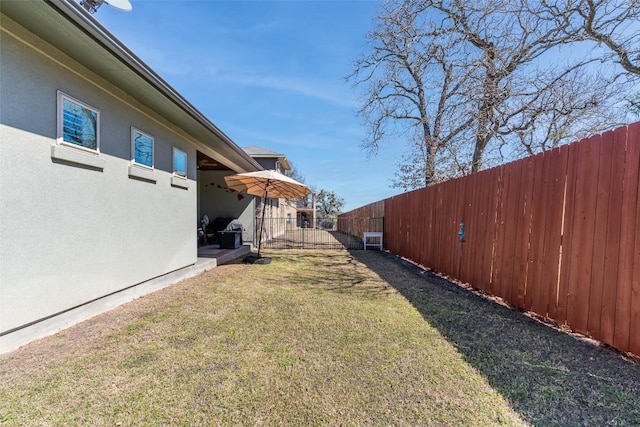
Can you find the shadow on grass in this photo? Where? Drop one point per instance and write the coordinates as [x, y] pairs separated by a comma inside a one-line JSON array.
[[332, 271], [548, 376]]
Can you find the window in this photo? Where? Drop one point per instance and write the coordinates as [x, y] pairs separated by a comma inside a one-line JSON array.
[[142, 148], [179, 162], [78, 123]]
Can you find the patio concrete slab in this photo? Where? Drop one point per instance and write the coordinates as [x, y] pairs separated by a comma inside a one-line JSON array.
[[221, 256]]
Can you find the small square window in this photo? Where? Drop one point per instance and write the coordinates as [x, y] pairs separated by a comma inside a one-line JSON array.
[[142, 148], [179, 162], [78, 123]]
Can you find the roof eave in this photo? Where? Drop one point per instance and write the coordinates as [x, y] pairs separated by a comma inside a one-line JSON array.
[[81, 19]]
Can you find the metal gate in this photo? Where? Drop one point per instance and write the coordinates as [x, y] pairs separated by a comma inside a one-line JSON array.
[[326, 233]]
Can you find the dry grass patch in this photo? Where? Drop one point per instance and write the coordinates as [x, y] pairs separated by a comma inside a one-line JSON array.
[[312, 338], [316, 338], [549, 377]]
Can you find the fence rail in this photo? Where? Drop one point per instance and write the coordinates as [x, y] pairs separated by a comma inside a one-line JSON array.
[[557, 233]]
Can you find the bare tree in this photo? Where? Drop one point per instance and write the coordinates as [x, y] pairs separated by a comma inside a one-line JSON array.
[[452, 162], [610, 30], [571, 106], [573, 101], [614, 25], [633, 104], [412, 85], [505, 41], [459, 79]]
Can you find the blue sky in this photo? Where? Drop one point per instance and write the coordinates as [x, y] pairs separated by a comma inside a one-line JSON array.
[[271, 74]]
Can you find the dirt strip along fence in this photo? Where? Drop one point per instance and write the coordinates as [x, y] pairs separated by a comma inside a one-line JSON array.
[[557, 234]]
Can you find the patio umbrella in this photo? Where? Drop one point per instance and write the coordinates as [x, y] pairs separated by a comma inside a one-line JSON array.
[[268, 184]]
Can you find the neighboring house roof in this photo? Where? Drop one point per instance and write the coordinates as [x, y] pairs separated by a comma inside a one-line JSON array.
[[262, 153], [70, 28]]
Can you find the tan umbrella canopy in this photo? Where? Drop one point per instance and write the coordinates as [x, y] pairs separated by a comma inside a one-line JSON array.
[[268, 184]]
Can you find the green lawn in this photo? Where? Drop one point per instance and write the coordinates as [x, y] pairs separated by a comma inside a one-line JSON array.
[[315, 338]]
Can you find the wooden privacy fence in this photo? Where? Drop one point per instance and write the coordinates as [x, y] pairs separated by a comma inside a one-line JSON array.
[[353, 222], [557, 234]]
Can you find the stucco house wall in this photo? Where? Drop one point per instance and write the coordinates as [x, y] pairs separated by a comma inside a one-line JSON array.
[[72, 233], [81, 232]]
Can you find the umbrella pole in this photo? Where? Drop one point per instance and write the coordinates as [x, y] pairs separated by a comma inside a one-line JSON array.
[[264, 208]]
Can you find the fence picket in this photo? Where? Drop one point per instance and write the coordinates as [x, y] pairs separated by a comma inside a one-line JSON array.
[[601, 213], [497, 252], [533, 298], [629, 220], [567, 236], [634, 320], [513, 216], [475, 267], [612, 244], [583, 224], [523, 232], [469, 208], [557, 166], [487, 211]]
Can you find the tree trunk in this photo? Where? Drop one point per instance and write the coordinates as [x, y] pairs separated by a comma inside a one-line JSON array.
[[478, 155], [429, 167], [430, 151]]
